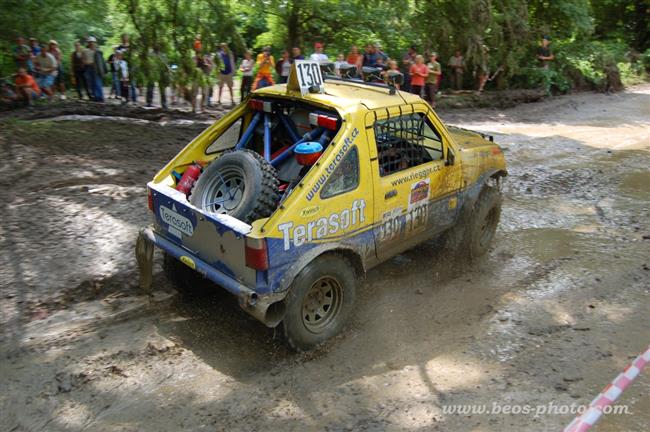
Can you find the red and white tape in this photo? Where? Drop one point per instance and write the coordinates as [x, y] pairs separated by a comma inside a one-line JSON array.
[[609, 394]]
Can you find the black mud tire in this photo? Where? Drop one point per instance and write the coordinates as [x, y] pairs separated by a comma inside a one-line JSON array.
[[260, 194], [474, 231], [303, 329], [186, 281]]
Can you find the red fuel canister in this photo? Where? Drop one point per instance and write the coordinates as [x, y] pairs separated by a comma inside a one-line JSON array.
[[189, 177]]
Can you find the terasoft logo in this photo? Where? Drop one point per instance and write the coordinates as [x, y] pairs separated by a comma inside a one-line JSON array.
[[176, 221]]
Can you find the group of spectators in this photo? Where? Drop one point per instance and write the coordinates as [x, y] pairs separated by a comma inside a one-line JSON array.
[[40, 71]]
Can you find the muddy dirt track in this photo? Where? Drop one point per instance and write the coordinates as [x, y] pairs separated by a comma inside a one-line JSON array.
[[556, 310]]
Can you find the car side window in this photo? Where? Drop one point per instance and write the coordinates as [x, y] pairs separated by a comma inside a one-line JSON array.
[[432, 140], [345, 176], [228, 138], [402, 143]]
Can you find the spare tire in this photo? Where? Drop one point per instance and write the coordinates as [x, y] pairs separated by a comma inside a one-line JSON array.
[[241, 184]]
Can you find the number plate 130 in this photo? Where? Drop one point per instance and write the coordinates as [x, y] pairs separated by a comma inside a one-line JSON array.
[[309, 75]]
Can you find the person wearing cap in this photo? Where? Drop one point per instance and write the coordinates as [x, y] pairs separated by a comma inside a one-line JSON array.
[[59, 82], [318, 55], [94, 69], [226, 72], [46, 68], [544, 53], [265, 64]]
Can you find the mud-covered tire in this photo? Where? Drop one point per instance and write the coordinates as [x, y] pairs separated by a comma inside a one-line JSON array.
[[185, 280], [253, 180], [303, 328], [475, 229]]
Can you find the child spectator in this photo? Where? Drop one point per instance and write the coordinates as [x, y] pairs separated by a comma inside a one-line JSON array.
[[26, 86], [340, 61], [46, 69], [419, 72], [433, 80], [393, 70], [265, 64], [246, 68]]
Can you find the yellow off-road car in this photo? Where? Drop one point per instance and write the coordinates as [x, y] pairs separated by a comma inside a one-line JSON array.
[[292, 196]]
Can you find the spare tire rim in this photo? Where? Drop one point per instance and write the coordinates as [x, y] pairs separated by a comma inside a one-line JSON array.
[[224, 192], [322, 304]]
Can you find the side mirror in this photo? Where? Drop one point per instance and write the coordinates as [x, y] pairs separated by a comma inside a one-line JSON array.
[[451, 157]]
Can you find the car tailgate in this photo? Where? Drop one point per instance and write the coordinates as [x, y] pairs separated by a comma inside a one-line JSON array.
[[219, 240]]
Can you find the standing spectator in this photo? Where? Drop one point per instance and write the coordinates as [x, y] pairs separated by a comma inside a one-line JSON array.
[[380, 53], [23, 55], [94, 69], [433, 80], [408, 60], [113, 66], [354, 58], [76, 60], [46, 69], [370, 56], [226, 72], [340, 61], [297, 54], [204, 65], [265, 64], [128, 57], [318, 55], [457, 65], [419, 73], [283, 67], [122, 75], [544, 53], [26, 87], [246, 68], [34, 47], [59, 82], [159, 73]]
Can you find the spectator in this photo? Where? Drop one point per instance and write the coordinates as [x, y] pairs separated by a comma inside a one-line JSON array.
[[127, 56], [393, 70], [205, 65], [265, 64], [113, 66], [283, 67], [544, 53], [372, 55], [340, 60], [23, 55], [433, 80], [380, 53], [318, 55], [354, 58], [246, 68], [226, 72], [159, 74], [457, 65], [122, 75], [419, 73], [34, 47], [94, 69], [59, 82], [76, 60], [408, 60], [26, 87], [297, 54], [45, 66]]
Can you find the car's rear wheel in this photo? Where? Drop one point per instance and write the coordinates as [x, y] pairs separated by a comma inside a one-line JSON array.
[[185, 280], [319, 302]]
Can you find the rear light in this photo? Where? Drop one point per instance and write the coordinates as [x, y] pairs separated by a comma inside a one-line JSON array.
[[322, 120], [260, 105], [256, 255], [150, 199]]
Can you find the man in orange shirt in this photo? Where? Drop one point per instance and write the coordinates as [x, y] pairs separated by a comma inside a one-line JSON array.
[[265, 64], [26, 87]]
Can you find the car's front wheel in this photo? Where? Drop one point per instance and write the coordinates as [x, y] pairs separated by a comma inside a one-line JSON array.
[[319, 302]]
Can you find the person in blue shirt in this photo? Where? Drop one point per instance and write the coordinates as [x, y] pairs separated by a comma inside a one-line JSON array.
[[227, 70]]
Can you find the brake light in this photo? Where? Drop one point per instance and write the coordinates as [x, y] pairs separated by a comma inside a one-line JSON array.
[[322, 120], [150, 199], [256, 254], [260, 105]]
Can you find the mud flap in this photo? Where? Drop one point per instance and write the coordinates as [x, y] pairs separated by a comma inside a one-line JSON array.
[[144, 256]]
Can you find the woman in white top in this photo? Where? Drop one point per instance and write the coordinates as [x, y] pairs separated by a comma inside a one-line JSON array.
[[283, 67], [246, 67]]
